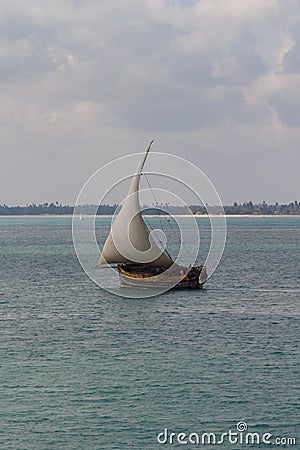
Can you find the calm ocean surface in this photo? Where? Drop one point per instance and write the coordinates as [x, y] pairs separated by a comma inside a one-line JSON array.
[[84, 369]]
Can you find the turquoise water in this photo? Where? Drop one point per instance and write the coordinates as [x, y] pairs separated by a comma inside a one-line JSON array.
[[84, 369]]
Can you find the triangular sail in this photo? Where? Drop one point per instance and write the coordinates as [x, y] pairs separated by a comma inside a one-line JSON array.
[[129, 240]]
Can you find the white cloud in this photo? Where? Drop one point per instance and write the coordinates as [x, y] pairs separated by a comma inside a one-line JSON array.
[[77, 74]]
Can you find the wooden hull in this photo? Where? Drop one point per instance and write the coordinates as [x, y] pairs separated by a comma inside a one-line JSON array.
[[146, 277]]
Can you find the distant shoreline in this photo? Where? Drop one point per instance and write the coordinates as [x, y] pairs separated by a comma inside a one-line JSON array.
[[246, 209], [66, 216]]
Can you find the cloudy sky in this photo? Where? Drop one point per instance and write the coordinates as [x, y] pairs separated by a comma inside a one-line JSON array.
[[86, 81]]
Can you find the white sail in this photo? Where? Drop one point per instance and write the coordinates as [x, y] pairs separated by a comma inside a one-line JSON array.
[[129, 240]]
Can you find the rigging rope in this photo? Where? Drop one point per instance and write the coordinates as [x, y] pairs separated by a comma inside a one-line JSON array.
[[149, 224], [171, 226]]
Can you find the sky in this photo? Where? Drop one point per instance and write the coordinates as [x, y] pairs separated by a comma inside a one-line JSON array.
[[83, 82]]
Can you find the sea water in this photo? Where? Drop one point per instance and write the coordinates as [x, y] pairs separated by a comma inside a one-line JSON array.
[[84, 369]]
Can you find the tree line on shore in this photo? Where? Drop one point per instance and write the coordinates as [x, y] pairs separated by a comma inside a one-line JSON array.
[[56, 208]]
